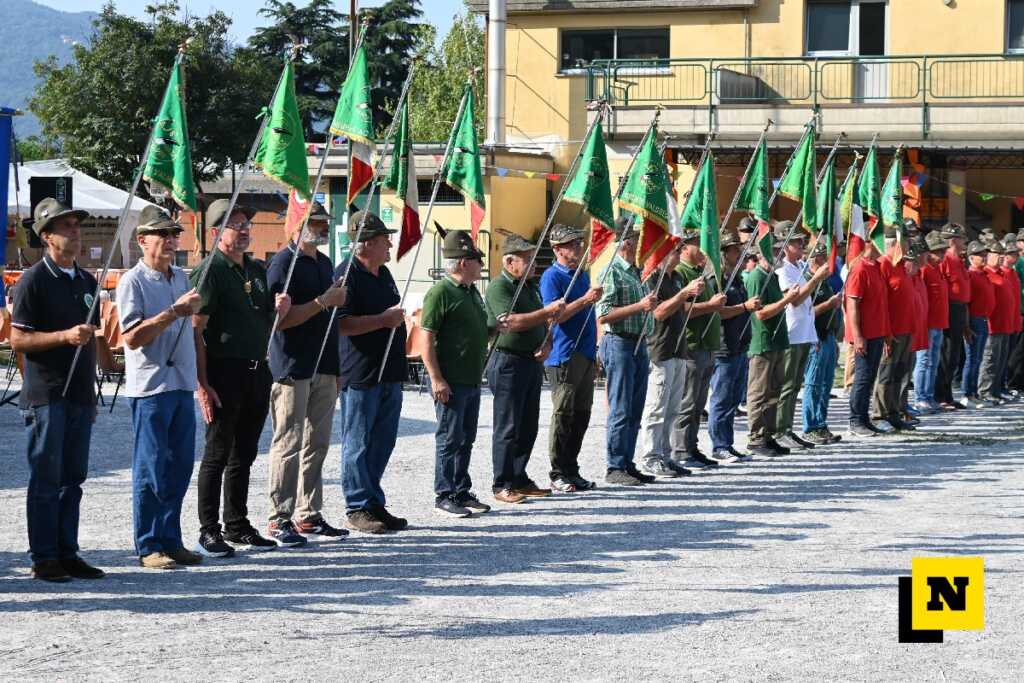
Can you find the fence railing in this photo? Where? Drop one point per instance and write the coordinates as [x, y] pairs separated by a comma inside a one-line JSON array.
[[807, 80]]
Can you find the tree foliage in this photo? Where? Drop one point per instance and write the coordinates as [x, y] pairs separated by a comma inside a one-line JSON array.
[[440, 81], [101, 106]]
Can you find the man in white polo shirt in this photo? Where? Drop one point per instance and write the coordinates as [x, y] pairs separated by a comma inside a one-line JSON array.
[[802, 333], [155, 303]]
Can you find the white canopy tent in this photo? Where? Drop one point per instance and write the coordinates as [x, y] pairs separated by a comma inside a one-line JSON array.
[[96, 197]]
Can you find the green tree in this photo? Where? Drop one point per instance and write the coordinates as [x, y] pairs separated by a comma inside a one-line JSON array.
[[36, 148], [439, 81], [100, 107], [392, 42]]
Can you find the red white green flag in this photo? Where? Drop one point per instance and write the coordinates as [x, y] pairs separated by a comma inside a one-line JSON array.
[[353, 118], [402, 180]]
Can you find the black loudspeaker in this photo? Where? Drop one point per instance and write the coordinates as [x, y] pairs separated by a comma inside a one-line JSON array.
[[41, 187]]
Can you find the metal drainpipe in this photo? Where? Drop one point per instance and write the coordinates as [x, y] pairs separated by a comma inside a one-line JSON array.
[[497, 18]]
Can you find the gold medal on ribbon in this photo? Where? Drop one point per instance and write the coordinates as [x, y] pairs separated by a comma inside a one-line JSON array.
[[248, 287]]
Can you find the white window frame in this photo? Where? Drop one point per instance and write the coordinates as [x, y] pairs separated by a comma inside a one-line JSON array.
[[853, 37], [1006, 34], [636, 71]]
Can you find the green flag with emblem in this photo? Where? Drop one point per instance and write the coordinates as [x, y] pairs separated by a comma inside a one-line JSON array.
[[591, 186], [170, 157], [645, 191], [463, 173], [701, 213], [799, 182], [282, 150]]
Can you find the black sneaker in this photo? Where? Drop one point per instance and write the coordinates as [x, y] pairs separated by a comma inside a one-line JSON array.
[[50, 570], [739, 455], [285, 535], [212, 544], [390, 521], [80, 569], [622, 478], [471, 502], [319, 528], [682, 471], [582, 484], [249, 538], [450, 507], [802, 443], [763, 450], [366, 521], [777, 447], [698, 460], [637, 474]]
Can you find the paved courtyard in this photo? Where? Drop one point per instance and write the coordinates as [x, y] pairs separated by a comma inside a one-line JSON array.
[[771, 570]]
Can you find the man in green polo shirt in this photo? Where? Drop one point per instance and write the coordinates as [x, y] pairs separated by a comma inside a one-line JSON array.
[[516, 370], [768, 343], [232, 329], [702, 339], [455, 322]]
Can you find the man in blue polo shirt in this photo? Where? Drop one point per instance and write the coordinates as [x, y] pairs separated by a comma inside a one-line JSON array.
[[570, 367], [301, 403], [49, 320]]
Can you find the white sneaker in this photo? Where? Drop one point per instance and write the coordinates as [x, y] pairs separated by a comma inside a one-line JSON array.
[[724, 457]]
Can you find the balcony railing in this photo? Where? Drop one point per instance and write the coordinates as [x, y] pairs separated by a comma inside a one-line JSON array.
[[808, 80]]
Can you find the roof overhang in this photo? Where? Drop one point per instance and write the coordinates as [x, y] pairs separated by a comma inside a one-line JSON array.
[[551, 6]]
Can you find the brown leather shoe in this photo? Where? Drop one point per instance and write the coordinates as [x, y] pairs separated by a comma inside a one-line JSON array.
[[509, 496], [50, 570], [158, 561], [365, 521], [184, 557], [532, 491]]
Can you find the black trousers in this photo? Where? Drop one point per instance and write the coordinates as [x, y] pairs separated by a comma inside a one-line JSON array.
[[572, 398], [865, 371], [516, 383], [952, 351], [232, 440], [1015, 380]]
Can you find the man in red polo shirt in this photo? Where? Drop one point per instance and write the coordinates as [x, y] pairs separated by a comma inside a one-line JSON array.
[[983, 300], [1001, 325], [867, 332], [919, 338], [955, 273], [1010, 259], [895, 362], [938, 320]]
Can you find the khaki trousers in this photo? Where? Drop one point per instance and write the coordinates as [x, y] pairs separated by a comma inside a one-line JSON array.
[[764, 385], [302, 412]]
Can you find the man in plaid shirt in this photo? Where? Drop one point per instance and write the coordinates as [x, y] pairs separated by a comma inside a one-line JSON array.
[[623, 313]]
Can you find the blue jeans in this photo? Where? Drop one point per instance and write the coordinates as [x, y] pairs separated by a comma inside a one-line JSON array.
[[626, 385], [369, 424], [58, 461], [865, 370], [727, 388], [927, 367], [975, 352], [819, 377], [164, 454], [453, 441]]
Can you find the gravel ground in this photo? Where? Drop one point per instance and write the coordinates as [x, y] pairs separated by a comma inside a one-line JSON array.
[[770, 570]]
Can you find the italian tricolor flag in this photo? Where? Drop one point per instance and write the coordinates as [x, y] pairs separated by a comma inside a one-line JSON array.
[[353, 118], [402, 180]]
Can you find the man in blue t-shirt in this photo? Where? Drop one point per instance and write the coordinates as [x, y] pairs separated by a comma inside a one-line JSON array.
[[570, 367]]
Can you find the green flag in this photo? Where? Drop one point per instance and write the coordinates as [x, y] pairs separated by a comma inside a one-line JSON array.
[[645, 190], [701, 213], [282, 150], [892, 194], [799, 182], [170, 158], [353, 116], [463, 173], [826, 200], [753, 195], [591, 186], [869, 198]]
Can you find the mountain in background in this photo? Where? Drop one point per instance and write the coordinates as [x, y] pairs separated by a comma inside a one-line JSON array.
[[30, 32]]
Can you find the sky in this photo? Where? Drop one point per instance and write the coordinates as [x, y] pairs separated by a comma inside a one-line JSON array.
[[244, 12]]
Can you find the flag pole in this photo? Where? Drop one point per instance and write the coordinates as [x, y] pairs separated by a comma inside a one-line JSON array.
[[265, 116], [661, 277], [316, 185], [438, 176], [378, 167], [777, 261], [618, 239], [771, 201], [122, 221], [602, 106]]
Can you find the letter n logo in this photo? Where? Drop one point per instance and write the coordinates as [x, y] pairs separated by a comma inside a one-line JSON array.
[[948, 593]]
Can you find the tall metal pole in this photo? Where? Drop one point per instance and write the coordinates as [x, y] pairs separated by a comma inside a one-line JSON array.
[[122, 221], [438, 179], [362, 223]]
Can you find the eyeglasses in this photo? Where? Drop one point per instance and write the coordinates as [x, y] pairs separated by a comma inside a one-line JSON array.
[[238, 225]]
